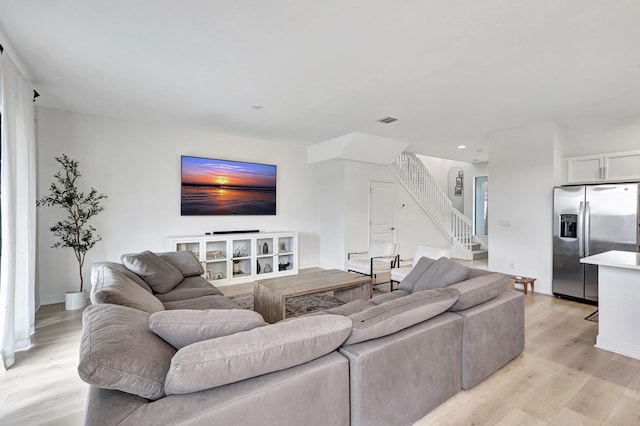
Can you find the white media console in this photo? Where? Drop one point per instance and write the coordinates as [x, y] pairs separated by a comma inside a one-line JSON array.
[[243, 257]]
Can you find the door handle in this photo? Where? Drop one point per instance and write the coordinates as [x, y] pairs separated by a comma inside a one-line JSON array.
[[393, 229], [581, 230], [587, 228]]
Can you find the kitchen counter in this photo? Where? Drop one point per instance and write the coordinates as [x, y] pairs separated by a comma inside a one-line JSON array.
[[618, 301], [619, 259]]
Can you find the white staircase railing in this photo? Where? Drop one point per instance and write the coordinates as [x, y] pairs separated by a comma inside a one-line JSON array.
[[455, 226]]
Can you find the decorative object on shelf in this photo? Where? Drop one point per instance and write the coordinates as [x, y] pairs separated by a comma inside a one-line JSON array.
[[214, 253], [283, 246], [283, 266], [239, 252], [209, 274], [257, 267], [73, 231], [268, 268], [236, 267], [218, 275], [265, 248]]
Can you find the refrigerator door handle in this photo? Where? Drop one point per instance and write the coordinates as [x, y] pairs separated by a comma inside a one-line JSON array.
[[581, 230], [587, 228]]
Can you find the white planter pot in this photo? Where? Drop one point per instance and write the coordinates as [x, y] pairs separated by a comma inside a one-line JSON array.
[[74, 300]]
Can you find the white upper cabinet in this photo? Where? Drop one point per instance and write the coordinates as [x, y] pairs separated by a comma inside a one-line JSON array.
[[615, 167], [585, 169], [623, 166]]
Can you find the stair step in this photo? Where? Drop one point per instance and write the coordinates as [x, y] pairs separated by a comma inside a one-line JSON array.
[[480, 254], [476, 246]]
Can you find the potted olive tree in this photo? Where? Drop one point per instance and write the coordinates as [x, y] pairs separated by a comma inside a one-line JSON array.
[[73, 231]]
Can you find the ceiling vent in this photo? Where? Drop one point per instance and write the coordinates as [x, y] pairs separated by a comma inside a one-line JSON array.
[[387, 120]]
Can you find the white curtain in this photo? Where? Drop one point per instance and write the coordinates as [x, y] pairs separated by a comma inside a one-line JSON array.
[[18, 201]]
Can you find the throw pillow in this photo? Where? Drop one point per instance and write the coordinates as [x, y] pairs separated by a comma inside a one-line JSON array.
[[184, 261], [442, 273], [184, 327], [416, 272], [394, 315], [118, 351], [263, 350], [159, 274], [110, 285], [479, 290]]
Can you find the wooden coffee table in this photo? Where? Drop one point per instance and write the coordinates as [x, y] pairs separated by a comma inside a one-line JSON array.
[[270, 296]]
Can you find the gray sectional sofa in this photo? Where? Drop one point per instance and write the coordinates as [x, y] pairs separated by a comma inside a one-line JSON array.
[[161, 347]]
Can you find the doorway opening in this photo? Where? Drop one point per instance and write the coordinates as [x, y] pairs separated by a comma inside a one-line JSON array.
[[481, 205]]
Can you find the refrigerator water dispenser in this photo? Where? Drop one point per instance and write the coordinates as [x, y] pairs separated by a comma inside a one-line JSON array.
[[569, 226]]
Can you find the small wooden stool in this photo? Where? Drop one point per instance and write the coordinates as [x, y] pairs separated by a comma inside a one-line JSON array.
[[524, 281]]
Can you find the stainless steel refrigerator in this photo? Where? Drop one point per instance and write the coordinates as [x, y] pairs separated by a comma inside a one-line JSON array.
[[588, 220]]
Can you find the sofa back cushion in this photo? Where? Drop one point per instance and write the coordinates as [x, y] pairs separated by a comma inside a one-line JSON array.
[[478, 290], [112, 283], [183, 327], [118, 351], [263, 350], [161, 275], [442, 273], [184, 261], [416, 273], [399, 313]]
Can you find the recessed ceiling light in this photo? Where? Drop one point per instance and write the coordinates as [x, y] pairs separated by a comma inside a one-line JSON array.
[[462, 146], [387, 120], [257, 106]]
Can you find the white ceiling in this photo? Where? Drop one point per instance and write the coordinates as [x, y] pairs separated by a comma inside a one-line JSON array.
[[451, 71]]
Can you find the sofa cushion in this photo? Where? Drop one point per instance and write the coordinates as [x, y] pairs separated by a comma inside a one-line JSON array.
[[274, 347], [110, 284], [121, 269], [397, 314], [185, 326], [161, 275], [418, 270], [189, 288], [478, 290], [184, 261], [203, 302], [442, 273], [118, 351]]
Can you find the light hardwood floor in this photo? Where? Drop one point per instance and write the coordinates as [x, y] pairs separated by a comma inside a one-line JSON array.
[[560, 379]]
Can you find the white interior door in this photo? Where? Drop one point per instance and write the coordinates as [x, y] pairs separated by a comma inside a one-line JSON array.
[[382, 213]]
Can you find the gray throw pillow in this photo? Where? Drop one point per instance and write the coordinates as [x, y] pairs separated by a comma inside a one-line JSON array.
[[397, 314], [478, 290], [184, 261], [185, 326], [442, 273], [161, 275], [418, 270], [118, 351], [110, 284], [247, 354]]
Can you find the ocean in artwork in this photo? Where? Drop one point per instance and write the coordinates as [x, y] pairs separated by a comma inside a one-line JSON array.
[[199, 200]]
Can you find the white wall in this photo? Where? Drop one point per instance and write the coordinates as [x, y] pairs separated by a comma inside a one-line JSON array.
[[138, 166], [624, 136], [331, 213], [523, 173], [344, 205]]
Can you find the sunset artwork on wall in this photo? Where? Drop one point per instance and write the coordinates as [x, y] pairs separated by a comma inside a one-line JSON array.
[[223, 187]]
